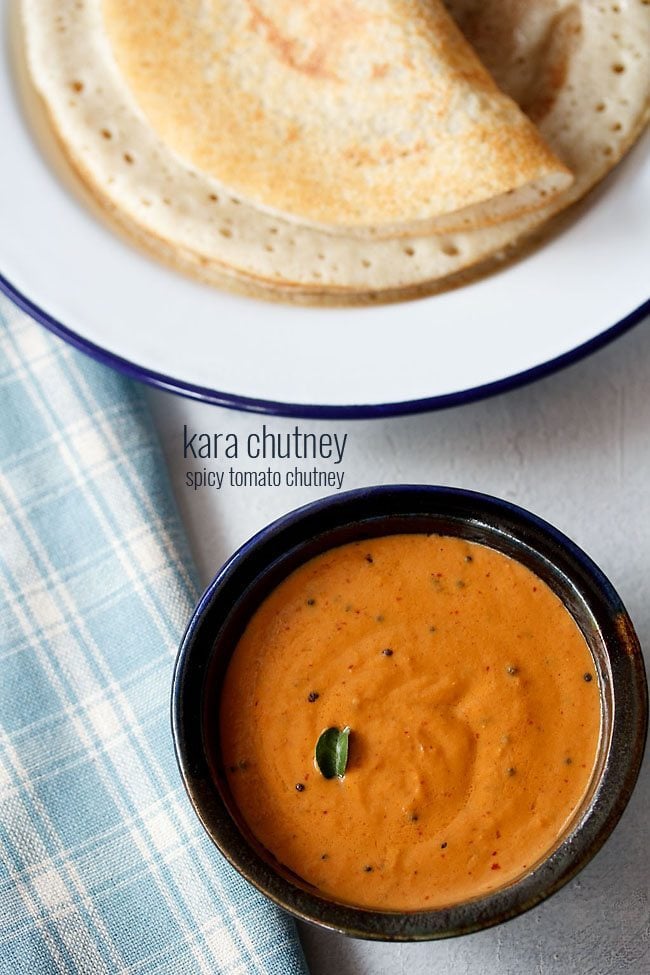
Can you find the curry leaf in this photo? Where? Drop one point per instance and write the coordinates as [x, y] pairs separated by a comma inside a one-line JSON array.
[[332, 752]]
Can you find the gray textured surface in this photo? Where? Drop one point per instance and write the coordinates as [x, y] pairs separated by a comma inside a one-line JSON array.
[[575, 449]]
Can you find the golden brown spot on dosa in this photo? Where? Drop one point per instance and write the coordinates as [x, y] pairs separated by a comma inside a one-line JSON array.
[[380, 70], [288, 49]]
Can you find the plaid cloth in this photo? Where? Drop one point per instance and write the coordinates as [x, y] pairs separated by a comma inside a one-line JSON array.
[[104, 868]]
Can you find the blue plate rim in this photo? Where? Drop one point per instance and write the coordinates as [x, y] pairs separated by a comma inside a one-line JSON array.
[[352, 411]]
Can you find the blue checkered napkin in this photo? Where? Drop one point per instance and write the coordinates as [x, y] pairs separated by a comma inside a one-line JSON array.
[[104, 868]]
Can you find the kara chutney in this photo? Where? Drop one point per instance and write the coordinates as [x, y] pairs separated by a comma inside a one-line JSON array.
[[475, 716]]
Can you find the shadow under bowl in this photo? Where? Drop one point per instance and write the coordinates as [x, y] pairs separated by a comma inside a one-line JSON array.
[[263, 562]]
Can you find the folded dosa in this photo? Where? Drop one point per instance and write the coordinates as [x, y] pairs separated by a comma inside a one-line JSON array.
[[588, 111], [369, 116]]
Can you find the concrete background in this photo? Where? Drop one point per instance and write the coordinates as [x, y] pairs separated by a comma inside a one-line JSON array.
[[575, 449]]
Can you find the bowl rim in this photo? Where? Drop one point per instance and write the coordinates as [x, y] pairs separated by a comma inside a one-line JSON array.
[[372, 505]]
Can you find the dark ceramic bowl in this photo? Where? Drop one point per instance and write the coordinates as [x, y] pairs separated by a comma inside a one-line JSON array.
[[258, 567]]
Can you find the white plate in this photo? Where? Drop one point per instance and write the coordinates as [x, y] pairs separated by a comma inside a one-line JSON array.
[[62, 263]]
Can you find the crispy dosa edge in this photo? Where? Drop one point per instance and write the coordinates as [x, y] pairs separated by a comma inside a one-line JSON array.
[[211, 272]]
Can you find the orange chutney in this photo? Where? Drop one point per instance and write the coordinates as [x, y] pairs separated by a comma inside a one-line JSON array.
[[474, 708]]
